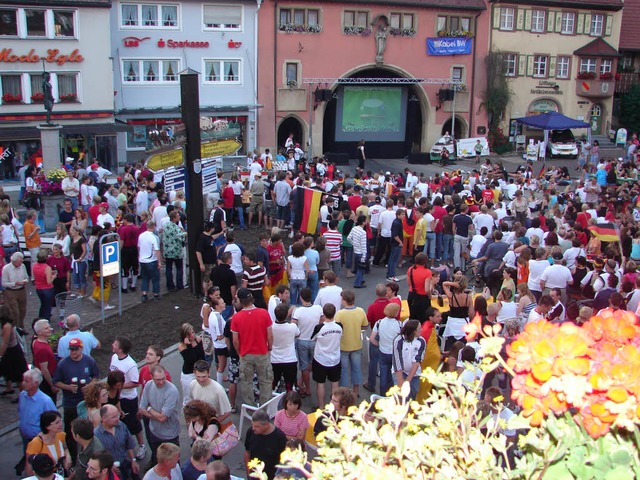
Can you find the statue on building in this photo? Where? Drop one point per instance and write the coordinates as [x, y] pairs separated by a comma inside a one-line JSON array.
[[381, 24], [48, 95]]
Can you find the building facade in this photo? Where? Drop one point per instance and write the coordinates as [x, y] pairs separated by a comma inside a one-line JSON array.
[[560, 56], [333, 73], [69, 40], [153, 42]]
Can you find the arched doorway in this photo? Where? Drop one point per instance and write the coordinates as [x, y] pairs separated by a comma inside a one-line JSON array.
[[388, 116], [287, 126], [460, 129], [595, 119]]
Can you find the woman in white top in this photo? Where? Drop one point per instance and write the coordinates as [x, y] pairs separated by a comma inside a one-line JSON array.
[[508, 308], [63, 239], [284, 360], [212, 322], [297, 269], [536, 269]]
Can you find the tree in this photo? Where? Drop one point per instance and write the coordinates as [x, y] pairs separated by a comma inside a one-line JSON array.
[[630, 109]]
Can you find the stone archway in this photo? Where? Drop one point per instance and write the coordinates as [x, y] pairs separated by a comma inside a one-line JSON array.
[[460, 127], [288, 125]]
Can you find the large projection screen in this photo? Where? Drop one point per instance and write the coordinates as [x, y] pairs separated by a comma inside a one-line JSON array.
[[372, 113]]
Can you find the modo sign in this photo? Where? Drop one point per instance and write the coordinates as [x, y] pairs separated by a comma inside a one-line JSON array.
[[220, 148], [449, 46], [161, 161], [52, 56]]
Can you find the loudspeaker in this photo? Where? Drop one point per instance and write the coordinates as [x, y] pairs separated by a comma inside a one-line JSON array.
[[445, 94], [322, 95], [420, 158], [481, 130], [338, 158]]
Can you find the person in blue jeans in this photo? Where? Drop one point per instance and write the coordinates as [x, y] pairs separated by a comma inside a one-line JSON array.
[[313, 259], [382, 335], [358, 239], [353, 320], [396, 245], [150, 260], [447, 235]]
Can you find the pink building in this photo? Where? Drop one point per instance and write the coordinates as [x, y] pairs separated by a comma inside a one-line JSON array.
[[333, 73]]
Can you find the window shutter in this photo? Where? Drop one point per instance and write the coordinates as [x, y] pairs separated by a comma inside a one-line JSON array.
[[587, 24], [552, 67], [558, 21], [519, 19], [551, 19], [609, 25], [527, 20], [522, 65], [529, 65], [580, 23], [496, 17]]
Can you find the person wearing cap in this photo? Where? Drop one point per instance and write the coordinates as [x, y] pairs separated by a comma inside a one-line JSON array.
[[253, 339], [43, 467], [556, 276], [104, 216], [73, 374]]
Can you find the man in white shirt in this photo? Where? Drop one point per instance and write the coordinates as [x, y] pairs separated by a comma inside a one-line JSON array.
[[330, 293], [541, 310], [556, 276], [209, 391], [557, 314], [71, 188], [571, 254], [423, 186], [122, 361], [374, 214], [142, 199], [280, 295], [150, 260], [384, 233], [255, 169], [484, 219], [104, 216], [412, 181], [160, 212]]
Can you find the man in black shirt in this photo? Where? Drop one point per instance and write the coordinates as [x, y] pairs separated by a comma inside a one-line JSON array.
[[224, 278], [219, 220], [206, 254], [461, 223], [265, 442]]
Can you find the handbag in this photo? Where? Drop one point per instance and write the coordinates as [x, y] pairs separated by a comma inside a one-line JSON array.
[[225, 440]]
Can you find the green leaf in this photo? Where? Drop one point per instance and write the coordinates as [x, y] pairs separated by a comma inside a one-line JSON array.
[[619, 473], [558, 471]]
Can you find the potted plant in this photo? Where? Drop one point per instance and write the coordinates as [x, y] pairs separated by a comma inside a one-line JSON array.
[[37, 97], [70, 97], [586, 75], [606, 76], [10, 98]]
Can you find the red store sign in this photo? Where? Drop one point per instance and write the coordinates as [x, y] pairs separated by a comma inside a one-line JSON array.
[[133, 41], [182, 44], [53, 56]]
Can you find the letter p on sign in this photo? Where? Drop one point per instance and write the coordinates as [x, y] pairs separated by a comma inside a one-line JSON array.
[[109, 259]]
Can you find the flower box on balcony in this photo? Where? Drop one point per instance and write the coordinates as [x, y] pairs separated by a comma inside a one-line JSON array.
[[606, 76], [9, 98], [587, 75], [37, 98], [72, 97]]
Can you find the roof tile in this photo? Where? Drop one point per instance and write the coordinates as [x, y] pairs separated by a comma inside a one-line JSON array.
[[630, 38], [597, 48]]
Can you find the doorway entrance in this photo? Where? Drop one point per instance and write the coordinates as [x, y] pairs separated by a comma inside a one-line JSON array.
[[290, 125], [459, 127], [595, 119]]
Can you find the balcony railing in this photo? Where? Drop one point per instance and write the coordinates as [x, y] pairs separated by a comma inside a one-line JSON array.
[[624, 81]]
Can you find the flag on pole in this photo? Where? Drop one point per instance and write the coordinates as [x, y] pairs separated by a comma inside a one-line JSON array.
[[542, 172], [605, 232], [307, 209]]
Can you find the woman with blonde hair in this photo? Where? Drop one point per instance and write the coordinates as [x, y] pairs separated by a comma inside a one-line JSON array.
[[62, 238], [460, 309], [526, 302]]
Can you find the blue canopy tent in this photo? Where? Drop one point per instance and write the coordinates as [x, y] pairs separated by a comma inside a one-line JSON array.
[[554, 121]]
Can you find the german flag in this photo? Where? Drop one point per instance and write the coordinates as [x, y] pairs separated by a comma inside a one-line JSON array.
[[307, 208], [605, 232], [543, 171]]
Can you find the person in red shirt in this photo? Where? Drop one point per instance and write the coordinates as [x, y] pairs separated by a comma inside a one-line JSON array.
[[487, 194], [153, 357], [129, 234], [228, 196], [43, 357], [253, 340], [94, 210], [438, 213], [408, 229], [583, 217], [419, 281], [355, 200]]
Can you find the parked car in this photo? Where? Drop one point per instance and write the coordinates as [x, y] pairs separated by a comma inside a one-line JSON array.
[[464, 147], [562, 143], [444, 142]]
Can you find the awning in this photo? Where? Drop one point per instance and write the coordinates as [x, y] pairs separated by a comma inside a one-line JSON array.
[[8, 134]]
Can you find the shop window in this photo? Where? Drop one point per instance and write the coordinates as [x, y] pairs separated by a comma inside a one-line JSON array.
[[597, 25], [222, 71], [150, 71], [36, 23], [568, 23], [540, 63], [8, 22], [507, 16], [148, 15], [588, 65], [11, 88], [510, 64], [222, 17], [563, 67]]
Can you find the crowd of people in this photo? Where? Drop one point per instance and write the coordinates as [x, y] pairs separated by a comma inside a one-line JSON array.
[[282, 315]]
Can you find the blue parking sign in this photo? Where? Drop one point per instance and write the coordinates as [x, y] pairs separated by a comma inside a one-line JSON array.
[[109, 259]]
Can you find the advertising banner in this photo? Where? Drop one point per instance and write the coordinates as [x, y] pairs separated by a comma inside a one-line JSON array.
[[449, 46]]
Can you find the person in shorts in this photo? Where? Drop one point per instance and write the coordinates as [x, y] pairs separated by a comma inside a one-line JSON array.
[[326, 354]]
